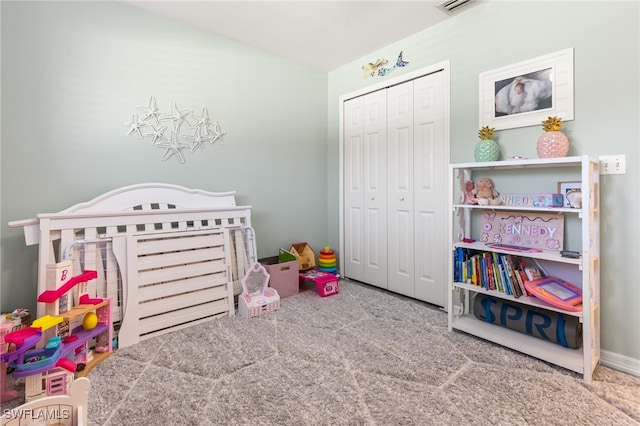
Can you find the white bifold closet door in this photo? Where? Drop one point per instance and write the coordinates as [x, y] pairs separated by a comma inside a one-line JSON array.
[[365, 188], [395, 172], [416, 170]]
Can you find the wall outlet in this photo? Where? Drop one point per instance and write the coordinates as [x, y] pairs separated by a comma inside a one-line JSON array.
[[613, 164]]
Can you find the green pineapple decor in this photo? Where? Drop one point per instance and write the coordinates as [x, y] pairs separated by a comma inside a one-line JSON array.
[[552, 143], [486, 149]]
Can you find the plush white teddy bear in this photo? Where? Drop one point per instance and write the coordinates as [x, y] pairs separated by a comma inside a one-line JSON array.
[[485, 194]]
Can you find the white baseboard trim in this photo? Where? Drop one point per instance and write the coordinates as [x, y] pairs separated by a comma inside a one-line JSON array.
[[620, 362]]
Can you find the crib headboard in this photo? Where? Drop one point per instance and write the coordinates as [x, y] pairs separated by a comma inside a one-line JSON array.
[[167, 254]]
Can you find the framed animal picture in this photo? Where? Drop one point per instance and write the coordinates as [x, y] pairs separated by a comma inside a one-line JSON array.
[[527, 92]]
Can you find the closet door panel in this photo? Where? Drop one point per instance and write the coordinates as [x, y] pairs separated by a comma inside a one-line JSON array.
[[400, 134], [430, 160], [375, 254], [375, 190], [426, 265], [353, 219], [401, 250]]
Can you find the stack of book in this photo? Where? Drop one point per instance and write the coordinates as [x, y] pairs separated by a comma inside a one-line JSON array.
[[505, 273]]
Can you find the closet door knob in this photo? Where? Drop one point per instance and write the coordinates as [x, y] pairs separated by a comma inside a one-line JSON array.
[[401, 198], [373, 198]]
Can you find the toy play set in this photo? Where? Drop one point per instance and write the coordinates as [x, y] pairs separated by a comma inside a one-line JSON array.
[[70, 338]]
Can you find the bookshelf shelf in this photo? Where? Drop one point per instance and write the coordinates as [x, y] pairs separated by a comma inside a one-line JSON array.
[[524, 164], [542, 255], [564, 357], [523, 300], [470, 237], [519, 208]]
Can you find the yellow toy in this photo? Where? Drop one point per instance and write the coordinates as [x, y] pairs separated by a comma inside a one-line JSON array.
[[89, 321]]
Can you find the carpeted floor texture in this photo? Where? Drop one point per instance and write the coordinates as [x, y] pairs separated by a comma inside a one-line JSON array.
[[362, 357]]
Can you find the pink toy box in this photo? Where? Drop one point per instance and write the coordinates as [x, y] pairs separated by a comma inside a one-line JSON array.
[[327, 284]]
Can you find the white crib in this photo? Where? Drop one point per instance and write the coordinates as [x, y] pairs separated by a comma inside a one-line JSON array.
[[168, 255]]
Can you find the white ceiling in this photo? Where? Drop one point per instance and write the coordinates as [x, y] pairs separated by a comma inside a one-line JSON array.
[[320, 34]]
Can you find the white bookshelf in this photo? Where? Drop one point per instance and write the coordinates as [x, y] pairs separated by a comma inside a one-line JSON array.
[[583, 272]]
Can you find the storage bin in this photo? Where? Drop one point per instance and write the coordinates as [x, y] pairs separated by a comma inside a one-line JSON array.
[[283, 276]]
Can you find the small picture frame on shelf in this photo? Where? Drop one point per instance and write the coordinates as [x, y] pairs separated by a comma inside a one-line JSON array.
[[571, 193]]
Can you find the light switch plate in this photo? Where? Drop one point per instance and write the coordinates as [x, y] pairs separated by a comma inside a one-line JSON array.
[[613, 164]]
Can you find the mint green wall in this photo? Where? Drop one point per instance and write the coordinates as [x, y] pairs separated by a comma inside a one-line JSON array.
[[74, 72], [606, 38]]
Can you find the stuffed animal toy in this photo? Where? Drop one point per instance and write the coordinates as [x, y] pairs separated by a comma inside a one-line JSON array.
[[469, 198], [485, 194], [574, 198]]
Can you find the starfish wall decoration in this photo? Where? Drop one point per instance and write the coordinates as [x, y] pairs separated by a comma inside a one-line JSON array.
[[152, 125]]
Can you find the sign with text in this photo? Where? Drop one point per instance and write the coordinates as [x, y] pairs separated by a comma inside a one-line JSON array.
[[544, 231]]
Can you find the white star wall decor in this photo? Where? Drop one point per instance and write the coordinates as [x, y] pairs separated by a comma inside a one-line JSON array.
[[135, 125], [173, 147], [153, 125]]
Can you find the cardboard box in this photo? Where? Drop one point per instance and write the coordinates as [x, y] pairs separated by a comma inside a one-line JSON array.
[[305, 255], [284, 275]]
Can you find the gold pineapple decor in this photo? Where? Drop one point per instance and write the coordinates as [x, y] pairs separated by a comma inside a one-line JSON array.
[[552, 143], [487, 148], [486, 133]]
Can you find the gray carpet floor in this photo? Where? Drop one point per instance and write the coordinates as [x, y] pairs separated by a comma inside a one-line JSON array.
[[362, 357]]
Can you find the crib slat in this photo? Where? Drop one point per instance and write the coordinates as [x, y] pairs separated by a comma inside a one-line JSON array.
[[153, 276], [160, 245], [164, 260], [112, 285], [164, 290], [181, 302], [172, 319]]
